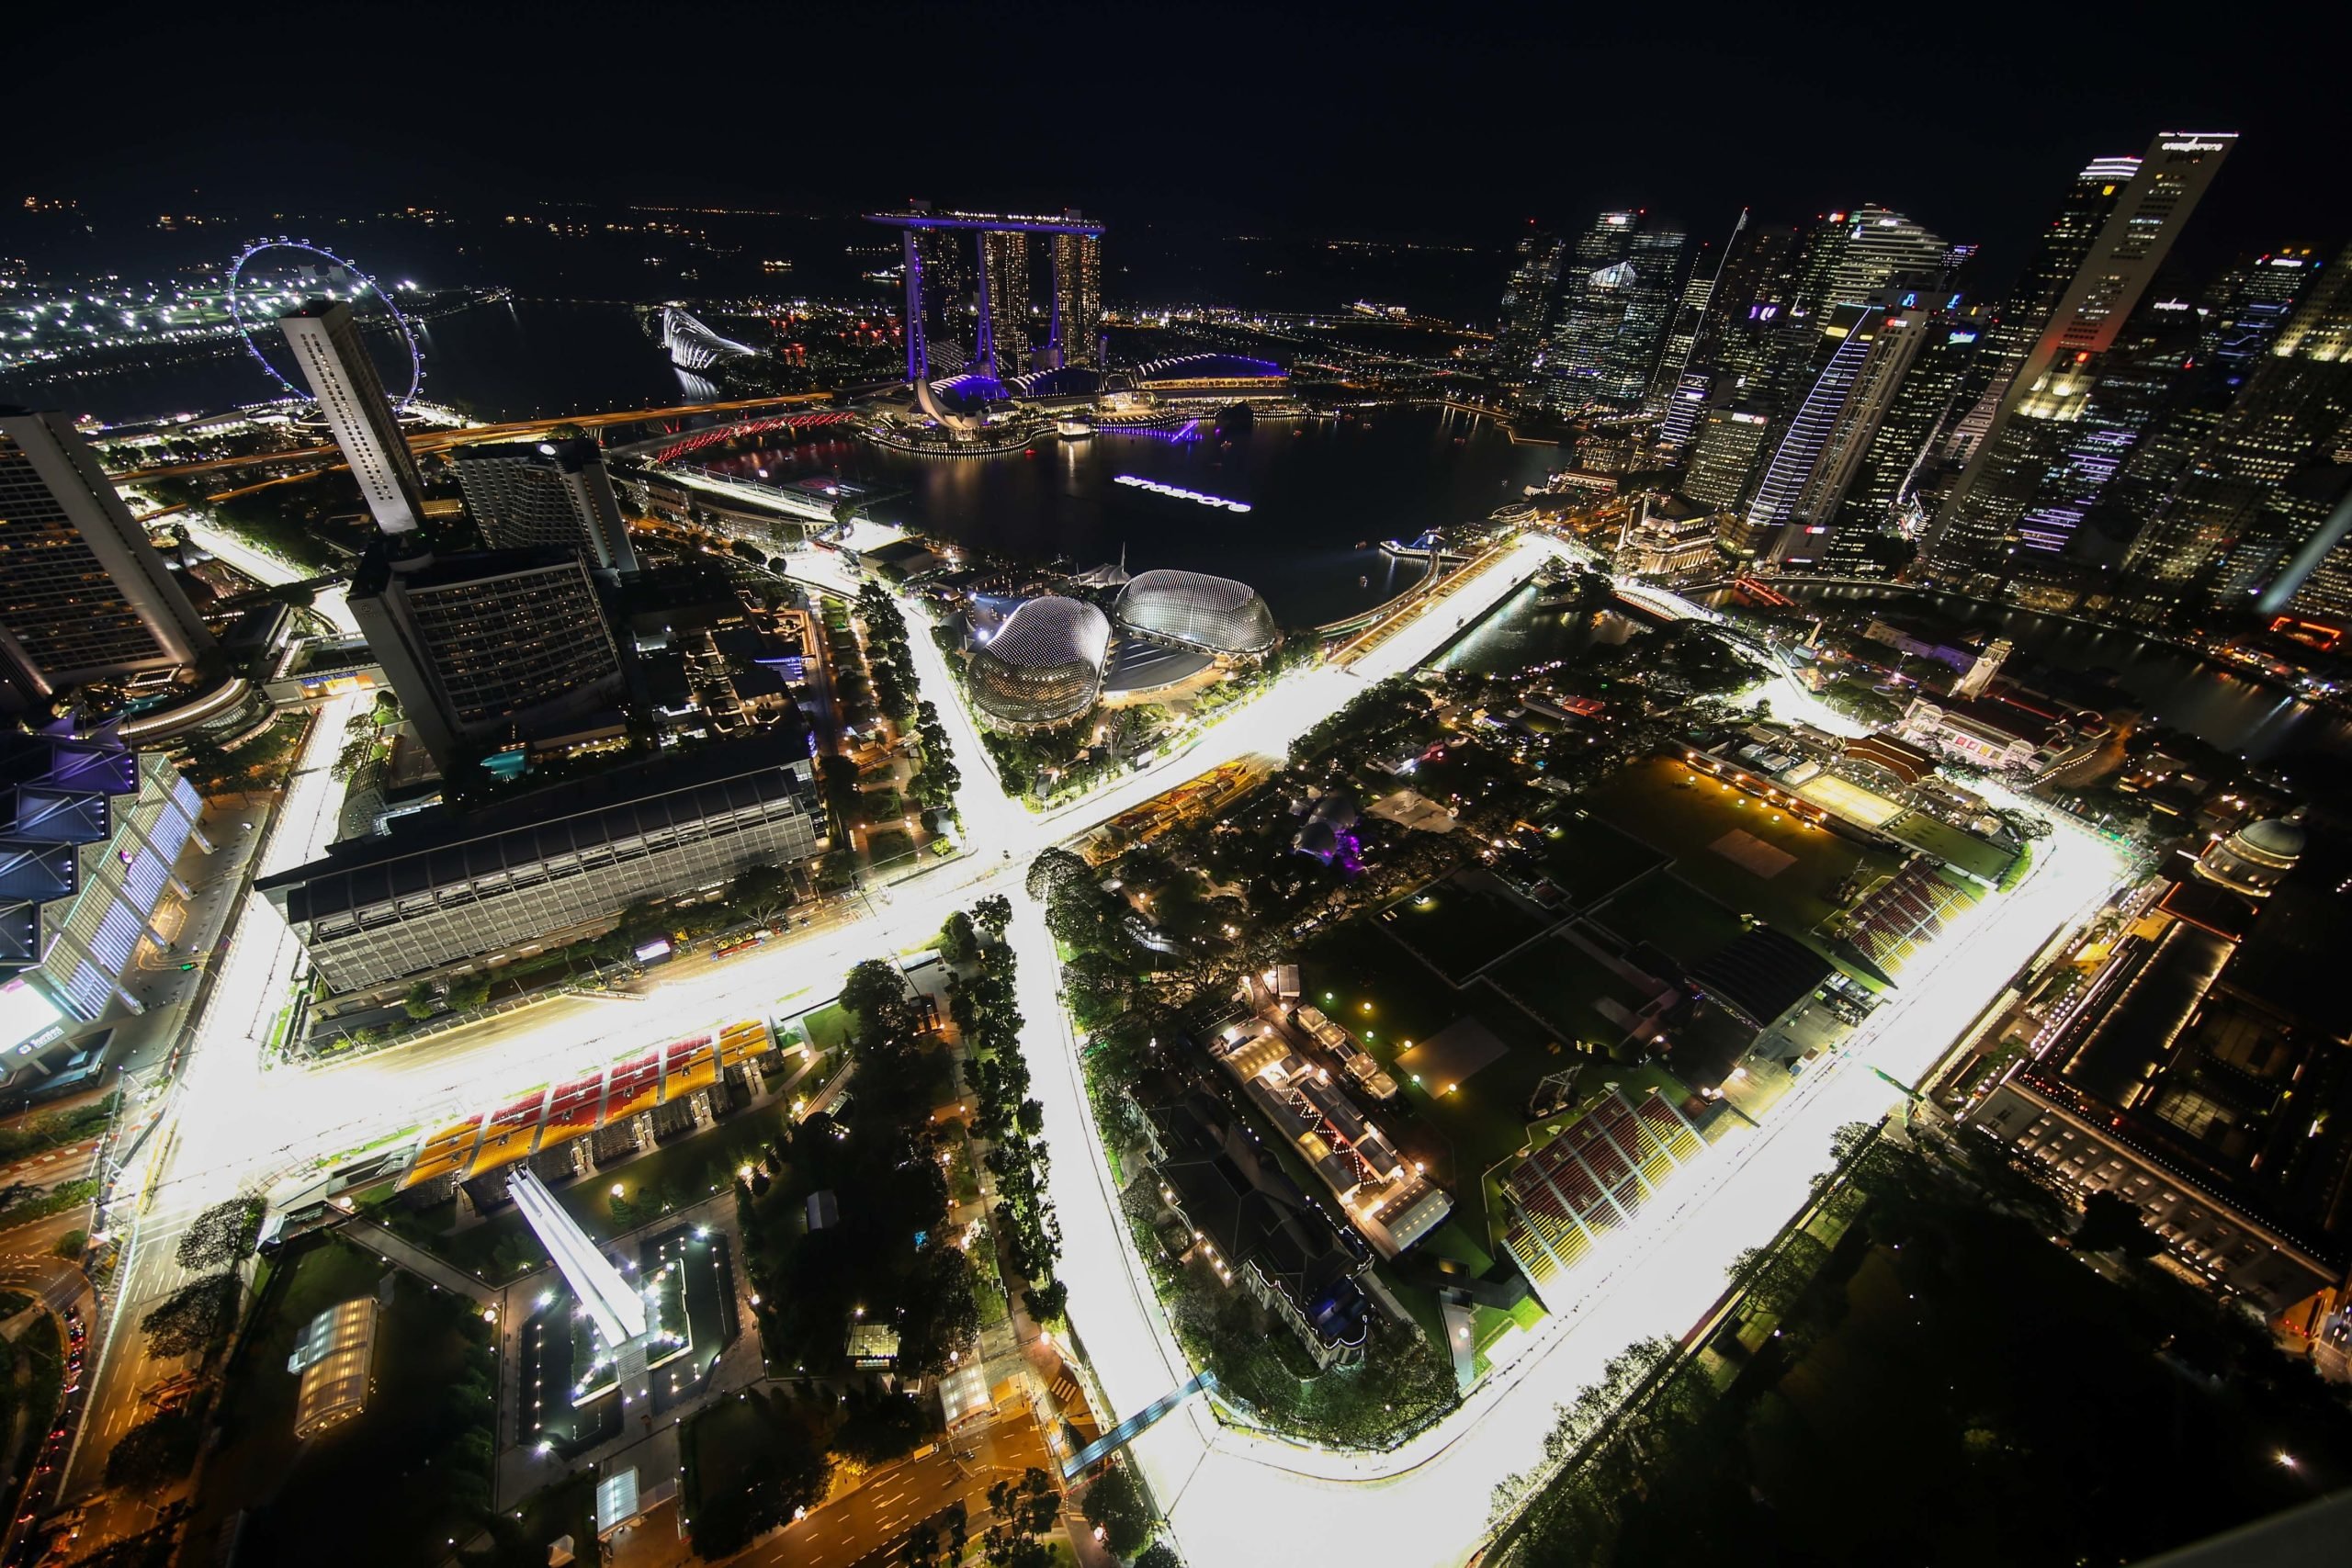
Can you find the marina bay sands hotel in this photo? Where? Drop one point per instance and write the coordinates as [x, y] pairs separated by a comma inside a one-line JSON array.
[[945, 275]]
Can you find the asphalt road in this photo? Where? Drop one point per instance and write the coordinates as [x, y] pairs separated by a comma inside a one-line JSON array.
[[879, 1513]]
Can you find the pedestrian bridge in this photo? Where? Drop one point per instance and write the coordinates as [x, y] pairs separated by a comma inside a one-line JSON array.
[[1135, 1426]]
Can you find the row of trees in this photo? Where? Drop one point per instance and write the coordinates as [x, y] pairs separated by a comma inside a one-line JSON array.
[[891, 666], [986, 1008], [196, 1320]]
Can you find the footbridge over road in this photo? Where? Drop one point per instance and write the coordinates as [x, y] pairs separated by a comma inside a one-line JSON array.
[[1135, 1426]]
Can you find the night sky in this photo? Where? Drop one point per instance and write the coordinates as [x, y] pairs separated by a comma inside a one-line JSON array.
[[1439, 121]]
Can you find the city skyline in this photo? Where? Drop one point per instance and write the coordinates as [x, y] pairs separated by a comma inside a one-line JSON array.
[[1578, 790]]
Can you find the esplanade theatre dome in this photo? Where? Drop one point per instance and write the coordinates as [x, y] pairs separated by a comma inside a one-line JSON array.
[[1044, 664], [1215, 615]]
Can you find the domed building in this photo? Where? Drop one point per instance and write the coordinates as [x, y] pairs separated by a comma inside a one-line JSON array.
[[1213, 615], [2255, 858], [1043, 664]]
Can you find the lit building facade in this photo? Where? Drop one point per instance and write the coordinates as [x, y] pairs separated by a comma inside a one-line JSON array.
[[2056, 375], [1725, 451], [546, 495], [91, 833], [335, 362], [1789, 521], [1525, 323], [1624, 277], [1044, 665], [1191, 609], [83, 595], [475, 644], [2295, 408], [542, 869], [1004, 303], [1078, 301]]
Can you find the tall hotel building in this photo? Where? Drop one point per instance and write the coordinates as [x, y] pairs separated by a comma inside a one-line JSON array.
[[546, 495], [1077, 298], [476, 643], [335, 362], [83, 595]]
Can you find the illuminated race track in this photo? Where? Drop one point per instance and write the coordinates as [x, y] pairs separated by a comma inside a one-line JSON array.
[[1232, 1497]]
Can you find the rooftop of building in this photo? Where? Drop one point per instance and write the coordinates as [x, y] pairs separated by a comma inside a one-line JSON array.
[[431, 850], [568, 452], [378, 567], [1049, 632], [1254, 1214], [1206, 368], [1761, 975]]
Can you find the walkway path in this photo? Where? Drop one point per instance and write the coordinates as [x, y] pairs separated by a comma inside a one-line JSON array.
[[406, 1253]]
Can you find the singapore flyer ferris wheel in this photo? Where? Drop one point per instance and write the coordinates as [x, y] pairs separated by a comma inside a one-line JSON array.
[[259, 294]]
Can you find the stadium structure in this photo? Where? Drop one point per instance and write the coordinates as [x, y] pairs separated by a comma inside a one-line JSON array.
[[1044, 665], [1191, 609]]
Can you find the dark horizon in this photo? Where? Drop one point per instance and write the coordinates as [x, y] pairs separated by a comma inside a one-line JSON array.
[[1224, 120]]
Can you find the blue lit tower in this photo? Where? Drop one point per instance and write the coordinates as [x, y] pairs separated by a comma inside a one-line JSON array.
[[1825, 444]]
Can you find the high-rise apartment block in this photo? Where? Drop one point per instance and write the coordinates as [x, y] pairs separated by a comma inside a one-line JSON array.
[[335, 362], [546, 495], [83, 595], [479, 645]]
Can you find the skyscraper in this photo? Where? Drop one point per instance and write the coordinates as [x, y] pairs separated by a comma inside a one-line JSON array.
[[1525, 326], [1725, 453], [1898, 453], [2248, 304], [2090, 201], [1753, 292], [546, 494], [475, 644], [945, 257], [1826, 441], [2057, 373], [1623, 279], [1004, 303], [1881, 249], [1077, 298], [335, 362], [83, 595], [2216, 533], [1674, 361]]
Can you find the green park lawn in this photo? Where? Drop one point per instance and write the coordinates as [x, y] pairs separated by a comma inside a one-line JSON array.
[[1560, 981], [1457, 925], [1671, 916], [1590, 858], [1655, 801]]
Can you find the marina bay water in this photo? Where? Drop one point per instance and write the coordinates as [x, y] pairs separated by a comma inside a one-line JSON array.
[[1322, 493]]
